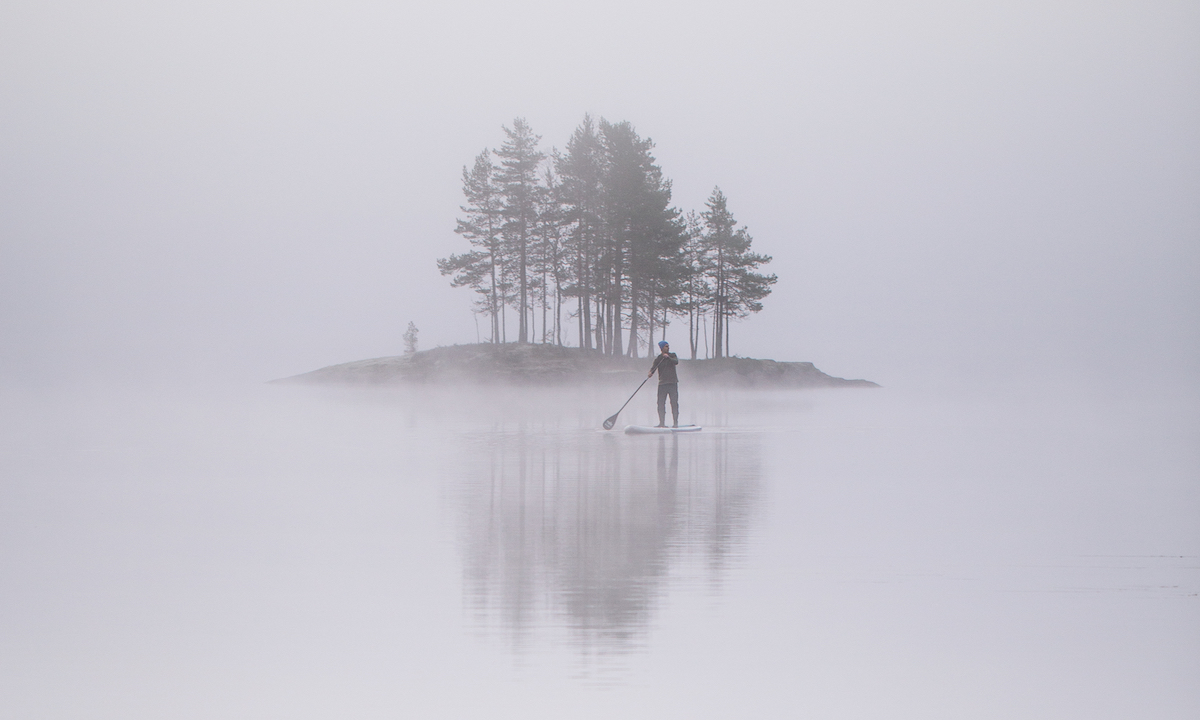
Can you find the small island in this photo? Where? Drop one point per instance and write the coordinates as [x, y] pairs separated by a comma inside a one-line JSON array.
[[528, 364], [585, 247]]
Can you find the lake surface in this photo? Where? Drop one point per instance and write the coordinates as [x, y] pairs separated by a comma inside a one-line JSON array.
[[300, 552]]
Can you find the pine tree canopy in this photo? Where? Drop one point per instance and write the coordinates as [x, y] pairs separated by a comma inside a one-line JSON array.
[[590, 234]]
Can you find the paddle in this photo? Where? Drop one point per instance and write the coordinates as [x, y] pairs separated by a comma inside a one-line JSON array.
[[608, 424]]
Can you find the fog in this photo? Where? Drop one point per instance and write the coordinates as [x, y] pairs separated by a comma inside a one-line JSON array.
[[988, 208], [255, 190]]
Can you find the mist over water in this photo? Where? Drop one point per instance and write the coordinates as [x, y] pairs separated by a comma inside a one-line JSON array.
[[297, 551], [988, 208]]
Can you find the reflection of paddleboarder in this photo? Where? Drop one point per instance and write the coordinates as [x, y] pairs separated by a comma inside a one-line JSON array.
[[668, 383]]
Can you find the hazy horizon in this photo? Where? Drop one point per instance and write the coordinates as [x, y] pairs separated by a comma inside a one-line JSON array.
[[240, 193]]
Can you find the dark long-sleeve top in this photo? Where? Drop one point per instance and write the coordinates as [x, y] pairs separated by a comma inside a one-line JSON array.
[[665, 365]]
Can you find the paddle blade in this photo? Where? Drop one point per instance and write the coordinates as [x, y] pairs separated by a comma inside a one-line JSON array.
[[608, 424]]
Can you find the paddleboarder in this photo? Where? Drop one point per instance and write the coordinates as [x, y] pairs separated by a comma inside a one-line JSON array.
[[668, 383]]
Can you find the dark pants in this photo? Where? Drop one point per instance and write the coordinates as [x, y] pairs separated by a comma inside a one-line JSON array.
[[668, 390]]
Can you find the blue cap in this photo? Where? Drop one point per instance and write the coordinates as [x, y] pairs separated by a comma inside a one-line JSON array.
[[662, 342]]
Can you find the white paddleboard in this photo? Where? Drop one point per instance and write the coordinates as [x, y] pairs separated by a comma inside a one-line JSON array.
[[649, 430]]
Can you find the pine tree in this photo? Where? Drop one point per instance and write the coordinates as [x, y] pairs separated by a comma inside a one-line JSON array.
[[548, 256], [578, 194], [518, 181], [694, 291], [480, 269], [642, 230], [736, 290], [410, 338], [718, 239]]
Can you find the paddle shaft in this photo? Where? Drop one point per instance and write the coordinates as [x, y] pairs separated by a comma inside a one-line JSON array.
[[609, 422]]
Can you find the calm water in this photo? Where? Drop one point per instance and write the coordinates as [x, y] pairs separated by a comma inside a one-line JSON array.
[[284, 552]]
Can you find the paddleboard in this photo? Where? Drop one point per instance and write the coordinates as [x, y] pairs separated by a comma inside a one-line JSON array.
[[649, 430]]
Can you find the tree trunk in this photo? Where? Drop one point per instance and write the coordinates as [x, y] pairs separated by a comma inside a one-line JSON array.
[[615, 319], [691, 327], [650, 324], [523, 326], [599, 324], [633, 320]]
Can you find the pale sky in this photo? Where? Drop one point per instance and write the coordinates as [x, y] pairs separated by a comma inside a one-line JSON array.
[[242, 191]]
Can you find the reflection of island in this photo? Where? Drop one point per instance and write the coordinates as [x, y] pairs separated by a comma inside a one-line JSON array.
[[581, 532]]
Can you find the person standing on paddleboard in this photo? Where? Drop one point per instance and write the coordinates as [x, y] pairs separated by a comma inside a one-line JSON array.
[[668, 383]]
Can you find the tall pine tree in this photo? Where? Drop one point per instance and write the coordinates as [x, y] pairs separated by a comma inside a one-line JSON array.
[[580, 170], [643, 235], [736, 289], [482, 268], [518, 181]]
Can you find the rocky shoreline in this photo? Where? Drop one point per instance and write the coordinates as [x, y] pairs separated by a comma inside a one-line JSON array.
[[524, 364]]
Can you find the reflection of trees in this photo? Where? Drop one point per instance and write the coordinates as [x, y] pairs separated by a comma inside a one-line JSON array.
[[582, 531]]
